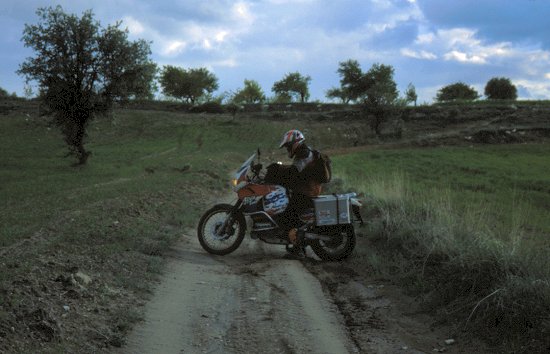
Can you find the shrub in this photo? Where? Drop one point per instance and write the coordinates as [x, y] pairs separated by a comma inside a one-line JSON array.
[[208, 107], [3, 93], [457, 91], [500, 88]]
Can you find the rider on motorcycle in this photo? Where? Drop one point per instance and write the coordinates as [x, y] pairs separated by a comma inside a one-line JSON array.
[[303, 178]]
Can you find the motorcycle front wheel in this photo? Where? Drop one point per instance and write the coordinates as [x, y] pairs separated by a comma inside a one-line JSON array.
[[339, 247], [219, 232]]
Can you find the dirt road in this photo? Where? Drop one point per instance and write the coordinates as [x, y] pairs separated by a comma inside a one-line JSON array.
[[250, 301], [256, 301]]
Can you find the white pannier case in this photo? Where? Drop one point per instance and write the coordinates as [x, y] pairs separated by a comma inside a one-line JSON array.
[[333, 209]]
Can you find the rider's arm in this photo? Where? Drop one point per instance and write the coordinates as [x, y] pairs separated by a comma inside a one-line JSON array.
[[285, 175]]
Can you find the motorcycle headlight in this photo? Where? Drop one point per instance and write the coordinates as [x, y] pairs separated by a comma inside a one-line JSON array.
[[234, 182]]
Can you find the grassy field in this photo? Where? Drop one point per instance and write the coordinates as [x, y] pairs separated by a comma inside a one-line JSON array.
[[506, 184], [479, 212], [465, 228], [150, 177]]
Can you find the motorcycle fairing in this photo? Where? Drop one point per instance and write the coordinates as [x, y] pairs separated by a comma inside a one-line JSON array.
[[274, 198], [254, 190], [244, 167], [276, 201]]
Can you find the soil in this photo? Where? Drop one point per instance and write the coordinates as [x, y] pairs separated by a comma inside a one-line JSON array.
[[257, 300]]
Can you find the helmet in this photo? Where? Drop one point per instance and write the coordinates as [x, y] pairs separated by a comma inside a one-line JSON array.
[[292, 140]]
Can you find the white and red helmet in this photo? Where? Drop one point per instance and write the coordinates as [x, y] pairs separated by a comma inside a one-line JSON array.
[[292, 140]]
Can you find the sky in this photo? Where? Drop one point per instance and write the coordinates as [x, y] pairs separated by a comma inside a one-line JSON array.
[[429, 43]]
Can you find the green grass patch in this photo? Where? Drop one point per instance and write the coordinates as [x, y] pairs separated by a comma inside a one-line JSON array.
[[466, 228], [472, 221], [501, 180], [149, 178]]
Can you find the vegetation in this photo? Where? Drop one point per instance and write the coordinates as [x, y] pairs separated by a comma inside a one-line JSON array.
[[293, 85], [456, 91], [465, 229], [352, 82], [81, 69], [376, 89], [381, 93], [251, 93], [500, 88], [471, 220], [410, 94], [187, 85], [112, 220]]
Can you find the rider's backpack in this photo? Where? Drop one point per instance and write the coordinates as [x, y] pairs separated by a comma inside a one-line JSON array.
[[323, 167]]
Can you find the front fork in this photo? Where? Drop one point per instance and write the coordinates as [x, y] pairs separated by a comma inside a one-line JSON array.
[[227, 226]]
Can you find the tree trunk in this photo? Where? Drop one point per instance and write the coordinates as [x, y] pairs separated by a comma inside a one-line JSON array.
[[82, 155]]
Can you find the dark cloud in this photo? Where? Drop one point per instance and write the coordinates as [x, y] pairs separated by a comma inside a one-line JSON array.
[[497, 20]]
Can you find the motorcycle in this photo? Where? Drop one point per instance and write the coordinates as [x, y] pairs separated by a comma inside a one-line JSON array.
[[328, 228]]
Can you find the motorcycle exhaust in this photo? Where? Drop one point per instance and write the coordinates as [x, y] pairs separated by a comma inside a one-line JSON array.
[[312, 236]]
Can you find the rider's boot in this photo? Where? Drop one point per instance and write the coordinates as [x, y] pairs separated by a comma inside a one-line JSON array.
[[296, 246]]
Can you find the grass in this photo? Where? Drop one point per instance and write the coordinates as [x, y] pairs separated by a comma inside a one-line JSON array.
[[498, 180], [471, 220], [150, 177], [467, 229]]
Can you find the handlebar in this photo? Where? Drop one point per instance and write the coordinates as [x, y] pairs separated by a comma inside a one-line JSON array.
[[256, 168]]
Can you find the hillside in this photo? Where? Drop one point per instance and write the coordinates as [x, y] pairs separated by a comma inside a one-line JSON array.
[[83, 247]]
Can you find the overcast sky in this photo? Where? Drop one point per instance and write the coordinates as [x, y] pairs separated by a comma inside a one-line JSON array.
[[430, 43]]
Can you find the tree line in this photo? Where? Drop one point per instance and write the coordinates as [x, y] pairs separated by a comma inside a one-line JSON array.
[[82, 69]]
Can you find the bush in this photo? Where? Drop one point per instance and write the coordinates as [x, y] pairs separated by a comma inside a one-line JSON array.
[[500, 88], [456, 91], [208, 107]]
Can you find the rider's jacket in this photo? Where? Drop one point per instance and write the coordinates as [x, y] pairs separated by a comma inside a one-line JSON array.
[[301, 176]]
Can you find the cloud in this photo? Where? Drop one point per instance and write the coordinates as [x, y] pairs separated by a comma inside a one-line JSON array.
[[134, 26], [495, 20], [457, 44], [464, 57], [422, 54], [532, 89], [173, 48], [430, 42]]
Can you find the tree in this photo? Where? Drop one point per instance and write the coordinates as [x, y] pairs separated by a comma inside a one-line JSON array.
[[353, 81], [353, 84], [82, 69], [381, 93], [293, 85], [381, 88], [336, 93], [187, 85], [410, 94], [28, 91], [456, 91], [3, 93], [500, 88], [251, 93]]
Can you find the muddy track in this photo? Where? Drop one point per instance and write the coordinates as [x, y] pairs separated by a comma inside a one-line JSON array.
[[254, 300]]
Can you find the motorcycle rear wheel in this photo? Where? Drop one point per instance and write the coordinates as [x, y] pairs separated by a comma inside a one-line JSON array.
[[218, 232], [340, 248]]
